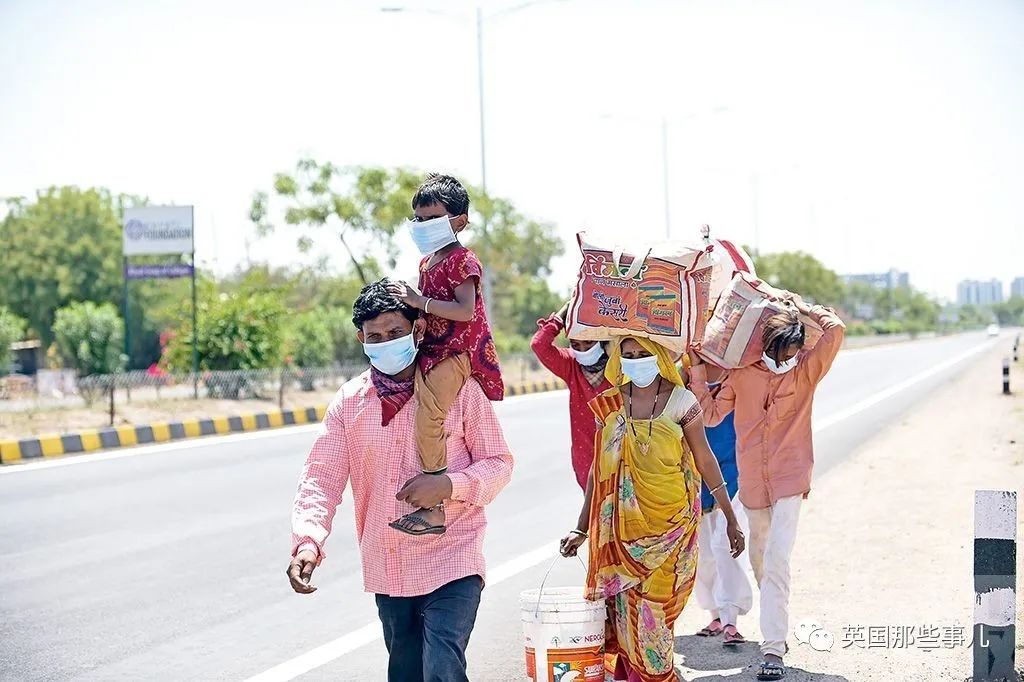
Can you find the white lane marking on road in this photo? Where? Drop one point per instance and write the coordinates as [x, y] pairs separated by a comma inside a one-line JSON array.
[[371, 632], [871, 401], [201, 442]]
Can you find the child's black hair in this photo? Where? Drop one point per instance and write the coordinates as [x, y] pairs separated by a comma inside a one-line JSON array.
[[444, 190], [375, 300]]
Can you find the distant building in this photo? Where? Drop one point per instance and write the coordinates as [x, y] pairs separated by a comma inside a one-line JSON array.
[[1017, 288], [974, 292], [894, 279]]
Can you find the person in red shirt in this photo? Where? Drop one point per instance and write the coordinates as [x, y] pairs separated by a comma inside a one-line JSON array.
[[581, 367], [457, 344]]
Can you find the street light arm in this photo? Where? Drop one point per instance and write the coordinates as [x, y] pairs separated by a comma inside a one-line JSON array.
[[520, 6]]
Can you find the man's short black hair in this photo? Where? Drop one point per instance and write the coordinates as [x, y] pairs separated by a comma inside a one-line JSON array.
[[444, 190], [375, 300]]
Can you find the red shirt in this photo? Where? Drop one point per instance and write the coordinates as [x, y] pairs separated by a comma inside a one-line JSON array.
[[562, 364], [445, 338]]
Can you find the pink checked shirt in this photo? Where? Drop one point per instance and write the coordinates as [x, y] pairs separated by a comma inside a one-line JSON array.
[[353, 447]]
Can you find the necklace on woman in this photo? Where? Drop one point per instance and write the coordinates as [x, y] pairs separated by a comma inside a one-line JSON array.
[[645, 448]]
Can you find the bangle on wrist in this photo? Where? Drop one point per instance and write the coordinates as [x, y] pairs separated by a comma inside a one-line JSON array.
[[718, 487], [576, 531], [426, 306]]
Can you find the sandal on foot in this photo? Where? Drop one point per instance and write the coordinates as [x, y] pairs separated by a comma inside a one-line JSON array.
[[771, 671], [414, 524], [733, 637], [713, 629]]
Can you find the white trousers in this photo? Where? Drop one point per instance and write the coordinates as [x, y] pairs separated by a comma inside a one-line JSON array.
[[772, 536], [722, 586]]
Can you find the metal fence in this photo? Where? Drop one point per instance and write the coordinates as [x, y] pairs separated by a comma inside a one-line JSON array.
[[59, 389]]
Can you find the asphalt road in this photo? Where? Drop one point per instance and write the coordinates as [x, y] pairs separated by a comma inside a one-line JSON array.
[[169, 565]]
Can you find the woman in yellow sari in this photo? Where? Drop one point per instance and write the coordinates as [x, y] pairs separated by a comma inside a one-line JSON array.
[[642, 507]]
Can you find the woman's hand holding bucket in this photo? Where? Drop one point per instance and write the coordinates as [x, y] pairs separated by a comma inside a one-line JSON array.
[[572, 542]]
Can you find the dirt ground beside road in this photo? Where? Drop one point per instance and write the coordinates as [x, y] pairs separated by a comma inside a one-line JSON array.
[[886, 541]]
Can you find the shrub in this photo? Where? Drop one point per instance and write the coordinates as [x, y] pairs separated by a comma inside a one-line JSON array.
[[90, 337], [12, 328], [235, 332]]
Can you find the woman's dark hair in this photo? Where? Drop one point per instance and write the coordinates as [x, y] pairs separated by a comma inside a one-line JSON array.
[[781, 331], [444, 190], [375, 300]]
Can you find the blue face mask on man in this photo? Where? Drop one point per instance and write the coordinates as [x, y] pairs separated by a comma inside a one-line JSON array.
[[641, 371], [391, 357], [430, 236]]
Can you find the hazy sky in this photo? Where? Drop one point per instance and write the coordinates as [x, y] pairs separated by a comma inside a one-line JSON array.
[[882, 134]]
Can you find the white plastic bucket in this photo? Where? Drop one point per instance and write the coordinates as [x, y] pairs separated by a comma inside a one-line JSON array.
[[564, 635]]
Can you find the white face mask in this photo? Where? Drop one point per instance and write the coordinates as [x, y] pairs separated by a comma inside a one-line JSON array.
[[776, 367], [430, 236], [589, 357], [641, 371]]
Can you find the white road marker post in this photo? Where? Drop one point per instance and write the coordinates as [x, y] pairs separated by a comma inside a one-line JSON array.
[[995, 584]]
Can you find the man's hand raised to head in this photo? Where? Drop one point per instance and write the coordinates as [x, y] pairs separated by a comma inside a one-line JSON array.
[[426, 490], [300, 571]]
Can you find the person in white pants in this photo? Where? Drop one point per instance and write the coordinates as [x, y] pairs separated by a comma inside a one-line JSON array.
[[772, 536], [772, 401], [722, 585]]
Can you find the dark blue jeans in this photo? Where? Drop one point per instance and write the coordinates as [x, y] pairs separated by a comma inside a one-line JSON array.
[[427, 636]]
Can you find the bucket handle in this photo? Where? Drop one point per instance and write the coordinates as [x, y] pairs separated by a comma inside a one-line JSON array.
[[540, 592]]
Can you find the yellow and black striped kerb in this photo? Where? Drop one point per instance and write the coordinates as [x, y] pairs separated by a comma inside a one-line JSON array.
[[157, 432], [527, 387]]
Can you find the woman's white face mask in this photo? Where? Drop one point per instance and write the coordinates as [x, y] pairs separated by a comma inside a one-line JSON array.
[[641, 371], [589, 357], [778, 367]]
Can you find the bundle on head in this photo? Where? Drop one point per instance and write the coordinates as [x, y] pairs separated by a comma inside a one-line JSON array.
[[781, 331]]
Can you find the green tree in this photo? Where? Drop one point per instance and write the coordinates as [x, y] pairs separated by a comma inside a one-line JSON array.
[[236, 331], [972, 316], [318, 196], [89, 337], [65, 246], [860, 300], [800, 273], [518, 252], [1011, 312], [308, 340], [515, 250], [347, 349], [12, 328]]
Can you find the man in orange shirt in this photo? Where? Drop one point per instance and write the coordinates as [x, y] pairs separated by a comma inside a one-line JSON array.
[[772, 400]]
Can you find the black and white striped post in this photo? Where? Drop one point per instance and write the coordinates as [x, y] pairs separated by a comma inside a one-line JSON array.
[[1006, 376], [995, 584]]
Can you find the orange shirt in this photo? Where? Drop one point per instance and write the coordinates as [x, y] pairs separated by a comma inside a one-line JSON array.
[[774, 449]]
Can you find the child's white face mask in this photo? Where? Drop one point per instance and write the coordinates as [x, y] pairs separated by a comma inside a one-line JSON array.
[[430, 236]]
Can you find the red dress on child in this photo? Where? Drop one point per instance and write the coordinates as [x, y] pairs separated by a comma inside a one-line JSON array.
[[445, 338]]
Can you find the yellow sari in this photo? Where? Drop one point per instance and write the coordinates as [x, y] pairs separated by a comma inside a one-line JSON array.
[[643, 523]]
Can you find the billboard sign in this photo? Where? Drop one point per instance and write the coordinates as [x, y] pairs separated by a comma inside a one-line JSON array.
[[157, 229]]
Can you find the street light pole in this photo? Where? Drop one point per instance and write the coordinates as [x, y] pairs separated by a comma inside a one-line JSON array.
[[488, 283], [664, 173], [480, 91]]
